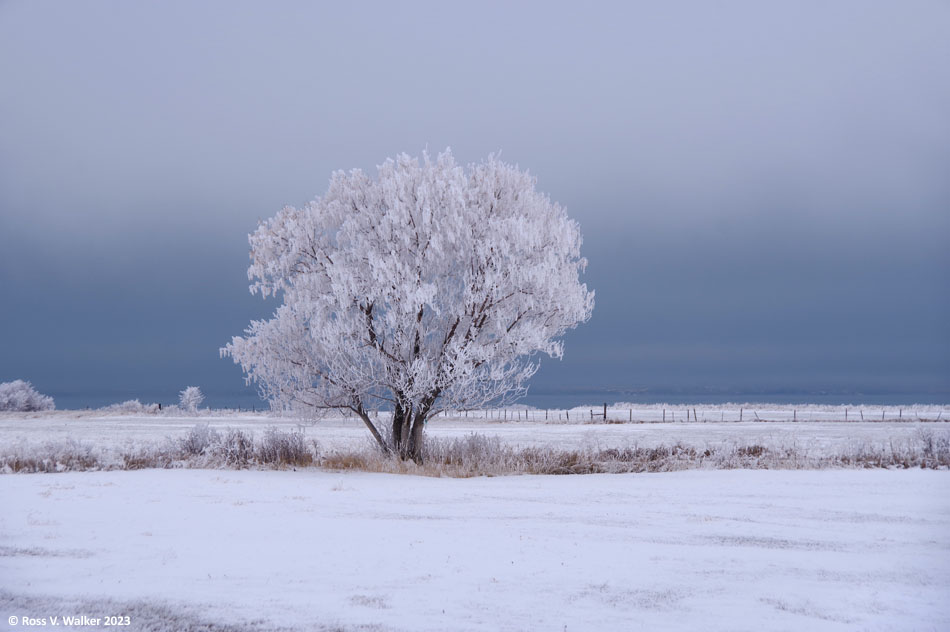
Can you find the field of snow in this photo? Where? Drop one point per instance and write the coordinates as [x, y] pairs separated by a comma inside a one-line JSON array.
[[263, 550], [816, 437], [224, 550]]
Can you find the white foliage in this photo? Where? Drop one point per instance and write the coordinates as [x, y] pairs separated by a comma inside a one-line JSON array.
[[131, 407], [428, 287], [20, 396], [190, 399]]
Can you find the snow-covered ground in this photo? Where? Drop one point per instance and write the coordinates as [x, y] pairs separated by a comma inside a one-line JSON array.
[[267, 550], [811, 437], [697, 550]]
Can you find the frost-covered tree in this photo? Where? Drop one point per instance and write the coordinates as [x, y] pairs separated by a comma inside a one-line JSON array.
[[426, 288], [20, 396], [190, 398]]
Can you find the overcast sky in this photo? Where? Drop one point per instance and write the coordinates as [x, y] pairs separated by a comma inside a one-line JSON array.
[[763, 187]]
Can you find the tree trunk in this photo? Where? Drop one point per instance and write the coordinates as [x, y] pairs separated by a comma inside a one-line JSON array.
[[400, 436], [409, 429], [372, 428], [417, 438], [397, 427], [405, 439]]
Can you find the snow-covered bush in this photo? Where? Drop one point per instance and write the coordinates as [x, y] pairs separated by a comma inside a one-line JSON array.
[[131, 407], [20, 396], [198, 440], [190, 399], [237, 448], [279, 447]]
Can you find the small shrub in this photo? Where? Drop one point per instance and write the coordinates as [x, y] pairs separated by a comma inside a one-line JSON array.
[[237, 448], [131, 407], [198, 440], [137, 459], [50, 457], [278, 447], [20, 397], [73, 456]]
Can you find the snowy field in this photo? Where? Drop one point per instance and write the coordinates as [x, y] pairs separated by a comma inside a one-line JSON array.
[[823, 431], [310, 550], [225, 550]]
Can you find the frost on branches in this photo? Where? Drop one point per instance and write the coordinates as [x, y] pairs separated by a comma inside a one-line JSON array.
[[20, 396], [429, 287], [190, 398]]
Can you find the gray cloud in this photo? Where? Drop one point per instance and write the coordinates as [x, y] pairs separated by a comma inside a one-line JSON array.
[[762, 187]]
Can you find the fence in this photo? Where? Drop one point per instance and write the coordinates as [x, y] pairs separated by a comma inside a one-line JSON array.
[[707, 414]]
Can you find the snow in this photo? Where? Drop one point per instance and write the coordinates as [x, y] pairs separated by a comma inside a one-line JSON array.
[[261, 550], [814, 437], [736, 550]]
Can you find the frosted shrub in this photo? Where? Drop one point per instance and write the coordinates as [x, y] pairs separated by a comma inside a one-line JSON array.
[[197, 442], [190, 399], [131, 407], [285, 448], [237, 448], [20, 396], [470, 451], [50, 457], [934, 445]]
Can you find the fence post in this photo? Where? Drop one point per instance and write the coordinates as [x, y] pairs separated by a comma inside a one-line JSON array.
[[605, 411]]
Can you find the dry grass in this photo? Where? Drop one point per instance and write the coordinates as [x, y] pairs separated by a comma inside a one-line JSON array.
[[202, 447], [63, 456], [475, 455]]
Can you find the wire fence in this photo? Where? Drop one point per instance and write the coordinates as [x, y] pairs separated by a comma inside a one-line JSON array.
[[706, 414], [674, 413]]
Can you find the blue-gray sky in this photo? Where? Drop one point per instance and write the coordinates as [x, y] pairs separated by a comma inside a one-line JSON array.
[[764, 188]]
